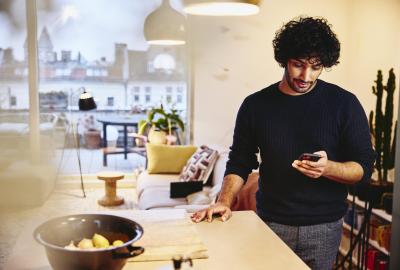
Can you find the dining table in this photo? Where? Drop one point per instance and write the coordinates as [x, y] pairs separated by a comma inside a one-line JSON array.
[[118, 120]]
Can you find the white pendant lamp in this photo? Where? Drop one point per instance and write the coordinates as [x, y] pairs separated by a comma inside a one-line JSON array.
[[165, 26], [221, 7]]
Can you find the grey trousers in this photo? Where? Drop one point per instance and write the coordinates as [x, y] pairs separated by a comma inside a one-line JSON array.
[[317, 245]]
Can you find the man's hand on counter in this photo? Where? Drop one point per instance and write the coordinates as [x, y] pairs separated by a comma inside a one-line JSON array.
[[210, 212]]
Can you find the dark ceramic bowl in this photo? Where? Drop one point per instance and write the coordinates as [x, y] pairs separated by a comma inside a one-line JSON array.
[[57, 233]]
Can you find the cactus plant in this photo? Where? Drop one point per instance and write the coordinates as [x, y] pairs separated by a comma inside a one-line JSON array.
[[381, 125]]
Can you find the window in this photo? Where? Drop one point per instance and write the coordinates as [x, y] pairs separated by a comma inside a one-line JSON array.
[[150, 67], [117, 67], [179, 98], [164, 63], [13, 101], [110, 101]]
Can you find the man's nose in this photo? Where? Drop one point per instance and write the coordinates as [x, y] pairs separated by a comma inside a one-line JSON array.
[[305, 74]]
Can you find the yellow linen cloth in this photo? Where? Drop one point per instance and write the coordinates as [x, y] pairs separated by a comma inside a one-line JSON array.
[[163, 240]]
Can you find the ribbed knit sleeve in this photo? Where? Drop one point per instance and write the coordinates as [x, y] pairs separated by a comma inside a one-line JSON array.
[[356, 137], [242, 157]]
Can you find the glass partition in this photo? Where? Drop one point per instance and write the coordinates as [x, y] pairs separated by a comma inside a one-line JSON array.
[[96, 47]]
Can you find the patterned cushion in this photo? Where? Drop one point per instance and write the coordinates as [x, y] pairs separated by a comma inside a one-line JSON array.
[[200, 165]]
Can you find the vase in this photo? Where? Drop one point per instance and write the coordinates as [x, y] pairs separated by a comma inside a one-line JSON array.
[[157, 136]]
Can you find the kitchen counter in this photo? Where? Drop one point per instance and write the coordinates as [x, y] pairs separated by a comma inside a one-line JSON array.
[[243, 242]]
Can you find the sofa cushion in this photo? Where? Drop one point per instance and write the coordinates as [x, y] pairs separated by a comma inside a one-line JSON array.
[[146, 180], [200, 197], [167, 158], [200, 165], [158, 197]]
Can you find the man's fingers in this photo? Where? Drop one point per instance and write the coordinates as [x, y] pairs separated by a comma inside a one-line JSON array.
[[313, 173], [211, 212], [314, 164], [199, 216], [208, 213], [226, 215], [310, 168]]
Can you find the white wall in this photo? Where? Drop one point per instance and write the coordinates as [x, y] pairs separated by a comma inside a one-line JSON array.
[[233, 57]]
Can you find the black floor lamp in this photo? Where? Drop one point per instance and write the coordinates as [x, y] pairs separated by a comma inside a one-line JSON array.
[[86, 103]]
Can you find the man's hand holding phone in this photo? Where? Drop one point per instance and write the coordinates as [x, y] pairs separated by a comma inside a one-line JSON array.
[[311, 164]]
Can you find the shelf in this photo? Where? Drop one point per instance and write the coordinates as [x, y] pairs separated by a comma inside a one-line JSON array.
[[373, 243], [378, 212], [344, 252]]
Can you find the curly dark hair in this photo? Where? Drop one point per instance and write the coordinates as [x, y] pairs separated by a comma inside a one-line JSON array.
[[307, 37]]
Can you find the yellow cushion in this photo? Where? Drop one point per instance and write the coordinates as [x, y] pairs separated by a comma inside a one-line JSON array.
[[163, 158]]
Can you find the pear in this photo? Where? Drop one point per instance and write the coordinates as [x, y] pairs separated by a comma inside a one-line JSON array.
[[85, 244], [100, 241], [117, 243], [71, 246]]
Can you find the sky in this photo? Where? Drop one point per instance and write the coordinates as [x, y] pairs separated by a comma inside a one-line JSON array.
[[92, 27]]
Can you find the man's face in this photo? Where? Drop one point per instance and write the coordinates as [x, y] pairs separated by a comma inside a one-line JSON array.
[[301, 74]]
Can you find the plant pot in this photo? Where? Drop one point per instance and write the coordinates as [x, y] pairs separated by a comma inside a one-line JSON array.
[[57, 233], [92, 139], [157, 136]]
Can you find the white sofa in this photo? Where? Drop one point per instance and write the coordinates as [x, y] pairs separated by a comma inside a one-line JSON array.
[[153, 190]]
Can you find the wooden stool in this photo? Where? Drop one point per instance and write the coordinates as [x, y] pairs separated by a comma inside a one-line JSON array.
[[111, 198]]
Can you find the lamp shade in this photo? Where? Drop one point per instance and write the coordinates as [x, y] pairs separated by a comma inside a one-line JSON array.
[[221, 7], [165, 26], [86, 102]]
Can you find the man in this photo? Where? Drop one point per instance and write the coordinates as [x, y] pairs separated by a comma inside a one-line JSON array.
[[302, 201]]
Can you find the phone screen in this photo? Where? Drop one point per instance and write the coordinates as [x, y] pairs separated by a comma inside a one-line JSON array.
[[309, 156]]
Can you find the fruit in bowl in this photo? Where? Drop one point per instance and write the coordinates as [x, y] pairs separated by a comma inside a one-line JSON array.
[[92, 233]]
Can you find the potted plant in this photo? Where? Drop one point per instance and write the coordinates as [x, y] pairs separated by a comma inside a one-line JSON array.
[[161, 124], [92, 133], [381, 127]]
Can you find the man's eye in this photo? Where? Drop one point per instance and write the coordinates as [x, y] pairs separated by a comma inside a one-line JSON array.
[[316, 67], [298, 64]]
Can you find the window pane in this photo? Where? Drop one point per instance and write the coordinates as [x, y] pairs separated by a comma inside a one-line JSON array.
[[17, 171], [107, 56]]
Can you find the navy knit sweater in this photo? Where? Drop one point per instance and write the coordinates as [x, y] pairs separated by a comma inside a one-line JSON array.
[[282, 127]]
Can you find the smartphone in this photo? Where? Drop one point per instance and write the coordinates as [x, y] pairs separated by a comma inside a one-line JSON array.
[[308, 156]]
